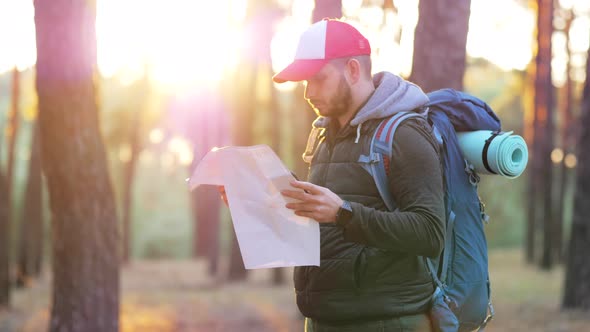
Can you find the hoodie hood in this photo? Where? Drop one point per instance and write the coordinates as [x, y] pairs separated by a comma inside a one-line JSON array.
[[392, 95]]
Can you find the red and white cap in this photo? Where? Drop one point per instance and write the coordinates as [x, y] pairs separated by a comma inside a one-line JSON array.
[[323, 41]]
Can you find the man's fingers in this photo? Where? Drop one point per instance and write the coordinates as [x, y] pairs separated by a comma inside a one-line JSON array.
[[296, 194], [309, 187], [306, 214], [301, 207]]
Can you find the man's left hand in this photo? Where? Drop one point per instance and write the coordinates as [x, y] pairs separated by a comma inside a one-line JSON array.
[[316, 202]]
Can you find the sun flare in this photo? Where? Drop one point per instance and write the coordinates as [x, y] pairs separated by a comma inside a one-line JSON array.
[[187, 43], [181, 42]]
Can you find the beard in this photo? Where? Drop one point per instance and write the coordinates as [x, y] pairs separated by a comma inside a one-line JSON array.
[[336, 105]]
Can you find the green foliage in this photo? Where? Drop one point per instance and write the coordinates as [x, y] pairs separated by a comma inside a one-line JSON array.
[[505, 203], [119, 104], [504, 199], [162, 218], [162, 222]]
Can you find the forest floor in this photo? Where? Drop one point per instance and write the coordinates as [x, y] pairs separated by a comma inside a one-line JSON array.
[[177, 296]]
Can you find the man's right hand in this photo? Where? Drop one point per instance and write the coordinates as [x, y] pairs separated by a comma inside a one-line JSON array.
[[222, 193]]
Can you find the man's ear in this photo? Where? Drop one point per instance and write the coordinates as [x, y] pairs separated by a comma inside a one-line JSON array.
[[353, 70]]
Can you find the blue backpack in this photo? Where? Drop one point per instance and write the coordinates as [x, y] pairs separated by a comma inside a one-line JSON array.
[[461, 301]]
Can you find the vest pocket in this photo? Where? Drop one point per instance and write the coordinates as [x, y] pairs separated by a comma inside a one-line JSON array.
[[360, 268], [300, 275], [334, 273]]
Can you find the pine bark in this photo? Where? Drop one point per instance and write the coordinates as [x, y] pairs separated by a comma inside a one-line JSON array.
[[129, 170], [567, 125], [439, 44], [530, 132], [85, 292], [206, 204], [4, 245], [577, 278], [326, 9], [544, 138], [127, 218]]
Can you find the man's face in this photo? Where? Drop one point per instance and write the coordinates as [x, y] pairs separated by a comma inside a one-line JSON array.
[[328, 92]]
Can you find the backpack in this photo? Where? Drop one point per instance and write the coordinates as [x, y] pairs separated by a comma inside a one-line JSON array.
[[462, 297]]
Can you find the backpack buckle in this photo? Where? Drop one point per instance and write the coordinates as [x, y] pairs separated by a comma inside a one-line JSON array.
[[482, 208], [450, 302], [473, 176], [375, 158]]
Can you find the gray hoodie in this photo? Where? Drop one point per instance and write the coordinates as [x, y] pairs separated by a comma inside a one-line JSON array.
[[392, 94]]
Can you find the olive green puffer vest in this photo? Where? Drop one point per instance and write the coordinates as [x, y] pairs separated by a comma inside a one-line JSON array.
[[355, 282]]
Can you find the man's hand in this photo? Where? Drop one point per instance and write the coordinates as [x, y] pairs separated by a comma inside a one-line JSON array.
[[316, 202], [221, 190]]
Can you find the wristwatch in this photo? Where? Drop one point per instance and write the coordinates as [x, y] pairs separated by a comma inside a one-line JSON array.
[[344, 214]]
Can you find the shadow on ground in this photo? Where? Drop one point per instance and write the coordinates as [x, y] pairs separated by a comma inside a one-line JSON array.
[[178, 296]]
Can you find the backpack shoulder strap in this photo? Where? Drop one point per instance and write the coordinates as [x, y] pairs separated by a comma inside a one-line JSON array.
[[381, 150]]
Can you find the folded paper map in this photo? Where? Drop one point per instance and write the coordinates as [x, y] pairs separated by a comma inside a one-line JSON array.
[[269, 234]]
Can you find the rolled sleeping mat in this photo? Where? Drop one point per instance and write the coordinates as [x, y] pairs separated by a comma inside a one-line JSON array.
[[492, 152]]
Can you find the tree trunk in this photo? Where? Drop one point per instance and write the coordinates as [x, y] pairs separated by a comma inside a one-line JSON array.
[[129, 176], [209, 129], [4, 245], [206, 204], [141, 91], [544, 107], [577, 278], [326, 9], [12, 133], [6, 190], [530, 132], [439, 44], [200, 229], [531, 227], [566, 144], [85, 292], [31, 226], [237, 271]]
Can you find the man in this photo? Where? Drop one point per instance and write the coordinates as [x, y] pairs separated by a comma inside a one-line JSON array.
[[372, 275]]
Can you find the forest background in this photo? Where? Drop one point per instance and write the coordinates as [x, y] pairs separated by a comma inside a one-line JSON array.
[[108, 157]]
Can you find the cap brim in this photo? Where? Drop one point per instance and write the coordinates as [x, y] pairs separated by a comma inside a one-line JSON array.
[[300, 70]]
